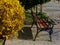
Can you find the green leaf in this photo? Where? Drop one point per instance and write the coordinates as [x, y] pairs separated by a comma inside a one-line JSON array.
[[22, 31], [31, 3]]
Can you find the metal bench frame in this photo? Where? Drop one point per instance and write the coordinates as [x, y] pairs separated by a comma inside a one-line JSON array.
[[49, 29]]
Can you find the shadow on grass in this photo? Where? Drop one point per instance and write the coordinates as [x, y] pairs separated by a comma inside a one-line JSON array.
[[27, 35]]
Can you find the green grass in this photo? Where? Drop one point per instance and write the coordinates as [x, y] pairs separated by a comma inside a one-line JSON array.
[[28, 14]]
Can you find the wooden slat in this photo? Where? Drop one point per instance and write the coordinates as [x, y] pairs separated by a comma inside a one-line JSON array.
[[42, 23]]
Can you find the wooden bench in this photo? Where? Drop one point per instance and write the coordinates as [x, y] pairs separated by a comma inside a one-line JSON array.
[[42, 25]]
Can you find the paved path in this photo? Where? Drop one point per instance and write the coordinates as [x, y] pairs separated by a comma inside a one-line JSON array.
[[53, 10], [42, 39]]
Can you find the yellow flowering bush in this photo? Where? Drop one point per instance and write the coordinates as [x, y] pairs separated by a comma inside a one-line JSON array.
[[11, 17]]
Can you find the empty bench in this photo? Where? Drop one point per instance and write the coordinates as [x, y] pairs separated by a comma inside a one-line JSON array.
[[42, 25]]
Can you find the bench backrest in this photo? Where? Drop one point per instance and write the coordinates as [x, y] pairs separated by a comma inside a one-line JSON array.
[[42, 23]]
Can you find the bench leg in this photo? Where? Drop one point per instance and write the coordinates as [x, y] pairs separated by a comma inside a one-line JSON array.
[[50, 37], [35, 36], [50, 33]]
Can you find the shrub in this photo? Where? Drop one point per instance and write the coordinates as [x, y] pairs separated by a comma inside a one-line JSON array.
[[11, 17]]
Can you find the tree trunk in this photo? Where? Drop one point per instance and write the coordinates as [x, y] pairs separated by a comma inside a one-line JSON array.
[[41, 8], [4, 40]]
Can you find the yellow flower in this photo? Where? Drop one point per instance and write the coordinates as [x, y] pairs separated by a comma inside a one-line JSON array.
[[8, 29], [0, 32], [12, 16], [0, 16], [6, 37], [3, 28]]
